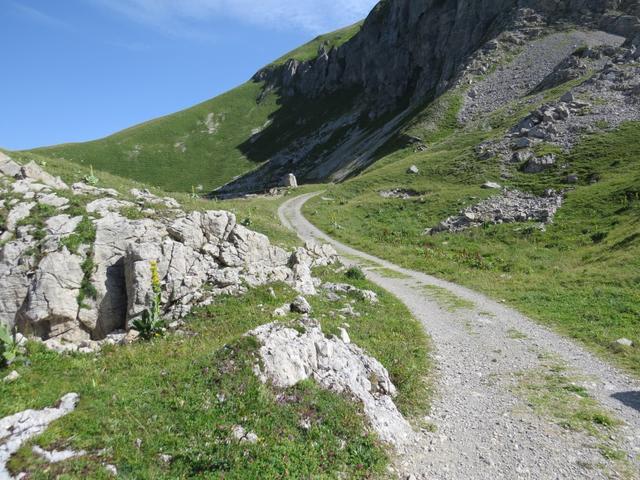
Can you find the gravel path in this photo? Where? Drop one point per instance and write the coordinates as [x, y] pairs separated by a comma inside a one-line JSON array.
[[485, 428]]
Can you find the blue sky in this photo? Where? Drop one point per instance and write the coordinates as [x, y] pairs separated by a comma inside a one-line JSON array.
[[76, 70]]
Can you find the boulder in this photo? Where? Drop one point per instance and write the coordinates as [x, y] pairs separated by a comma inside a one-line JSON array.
[[413, 170], [539, 164], [51, 308], [8, 167], [290, 181], [33, 171], [18, 429], [491, 186], [300, 305], [18, 213], [14, 282], [289, 357]]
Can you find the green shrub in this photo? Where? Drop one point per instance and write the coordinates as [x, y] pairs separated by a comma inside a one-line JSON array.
[[355, 273], [9, 348], [151, 324]]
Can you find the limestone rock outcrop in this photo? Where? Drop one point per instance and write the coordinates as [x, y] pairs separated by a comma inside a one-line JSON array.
[[79, 281], [289, 357]]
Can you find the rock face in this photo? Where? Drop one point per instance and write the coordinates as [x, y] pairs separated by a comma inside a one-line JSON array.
[[78, 299], [512, 206], [407, 52], [18, 429], [290, 357]]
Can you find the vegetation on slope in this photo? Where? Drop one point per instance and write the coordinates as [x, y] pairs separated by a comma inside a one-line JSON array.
[[207, 145], [310, 50], [166, 408], [195, 147], [580, 275]]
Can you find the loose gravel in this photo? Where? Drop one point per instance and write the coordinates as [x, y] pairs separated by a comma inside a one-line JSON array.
[[485, 429]]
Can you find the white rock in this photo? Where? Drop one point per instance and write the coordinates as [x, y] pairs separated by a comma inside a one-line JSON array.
[[300, 305], [33, 171], [56, 456], [12, 377], [18, 429], [344, 335], [625, 342], [491, 185], [17, 214], [289, 357]]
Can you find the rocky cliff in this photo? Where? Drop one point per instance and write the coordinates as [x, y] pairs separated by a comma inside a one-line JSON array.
[[407, 53]]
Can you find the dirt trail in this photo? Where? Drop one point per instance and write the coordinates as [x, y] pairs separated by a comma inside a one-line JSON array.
[[485, 427]]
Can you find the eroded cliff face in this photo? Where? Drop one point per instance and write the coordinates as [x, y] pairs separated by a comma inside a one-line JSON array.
[[408, 52]]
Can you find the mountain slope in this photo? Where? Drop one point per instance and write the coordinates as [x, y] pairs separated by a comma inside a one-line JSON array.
[[200, 146], [325, 110]]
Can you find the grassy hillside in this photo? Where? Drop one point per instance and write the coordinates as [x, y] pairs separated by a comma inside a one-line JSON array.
[[581, 276], [145, 401], [309, 50], [201, 146], [198, 146]]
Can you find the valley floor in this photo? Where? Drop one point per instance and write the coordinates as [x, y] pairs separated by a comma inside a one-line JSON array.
[[514, 400]]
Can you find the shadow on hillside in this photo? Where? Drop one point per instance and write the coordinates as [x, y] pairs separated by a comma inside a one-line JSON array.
[[630, 399]]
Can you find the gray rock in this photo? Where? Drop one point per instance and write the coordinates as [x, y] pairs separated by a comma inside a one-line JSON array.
[[491, 186], [145, 196], [413, 170], [242, 436], [511, 206], [301, 305], [539, 164], [522, 142], [57, 456], [8, 167], [14, 282], [12, 377], [33, 172], [18, 213], [572, 179], [52, 200], [81, 188], [624, 342], [51, 308], [289, 357], [290, 181], [18, 429]]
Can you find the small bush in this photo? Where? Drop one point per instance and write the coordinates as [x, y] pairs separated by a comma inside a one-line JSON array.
[[91, 179], [151, 324], [355, 273], [9, 348]]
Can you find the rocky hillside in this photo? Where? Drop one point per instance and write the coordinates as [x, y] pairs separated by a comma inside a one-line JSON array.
[[334, 106], [407, 55], [76, 262]]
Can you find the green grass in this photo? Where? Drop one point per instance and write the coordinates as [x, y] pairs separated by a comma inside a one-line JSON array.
[[309, 51], [553, 393], [179, 151], [182, 395], [447, 300], [580, 276]]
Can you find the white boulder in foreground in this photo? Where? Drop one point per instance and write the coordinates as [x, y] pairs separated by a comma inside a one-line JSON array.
[[290, 357], [17, 429]]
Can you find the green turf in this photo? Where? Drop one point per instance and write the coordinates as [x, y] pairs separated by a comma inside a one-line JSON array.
[[310, 50], [196, 147], [182, 395]]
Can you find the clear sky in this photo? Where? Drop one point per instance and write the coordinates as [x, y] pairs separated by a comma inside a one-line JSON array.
[[76, 70]]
